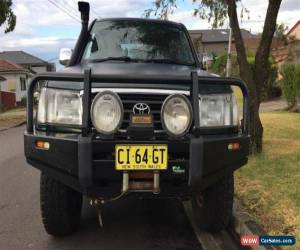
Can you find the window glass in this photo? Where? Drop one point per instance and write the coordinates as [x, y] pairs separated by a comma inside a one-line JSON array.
[[23, 84], [138, 40]]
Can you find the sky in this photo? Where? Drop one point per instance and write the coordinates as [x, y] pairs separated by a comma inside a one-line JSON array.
[[45, 26]]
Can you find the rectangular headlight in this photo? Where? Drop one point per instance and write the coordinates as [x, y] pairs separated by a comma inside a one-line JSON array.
[[217, 110], [57, 106]]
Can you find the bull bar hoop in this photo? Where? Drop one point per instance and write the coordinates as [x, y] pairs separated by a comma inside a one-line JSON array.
[[87, 78]]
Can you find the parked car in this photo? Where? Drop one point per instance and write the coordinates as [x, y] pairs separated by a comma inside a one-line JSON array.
[[133, 114]]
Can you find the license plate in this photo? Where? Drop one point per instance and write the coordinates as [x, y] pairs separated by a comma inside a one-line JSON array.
[[141, 157]]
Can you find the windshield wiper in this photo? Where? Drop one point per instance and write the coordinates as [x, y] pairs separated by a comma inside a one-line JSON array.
[[129, 59], [117, 58], [168, 61]]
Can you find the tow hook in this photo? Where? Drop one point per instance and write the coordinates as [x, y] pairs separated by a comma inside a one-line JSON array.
[[130, 185], [97, 203]]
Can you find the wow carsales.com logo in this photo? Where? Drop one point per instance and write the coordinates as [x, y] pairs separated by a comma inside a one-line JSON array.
[[255, 240]]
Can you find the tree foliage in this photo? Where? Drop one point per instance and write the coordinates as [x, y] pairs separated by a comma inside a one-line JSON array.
[[291, 83], [280, 33], [215, 11], [162, 8], [269, 91], [7, 16], [256, 76]]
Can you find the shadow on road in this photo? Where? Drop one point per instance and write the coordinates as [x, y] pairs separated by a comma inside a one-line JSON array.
[[133, 224]]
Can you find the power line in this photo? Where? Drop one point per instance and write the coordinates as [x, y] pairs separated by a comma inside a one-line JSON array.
[[70, 8], [64, 10], [95, 13]]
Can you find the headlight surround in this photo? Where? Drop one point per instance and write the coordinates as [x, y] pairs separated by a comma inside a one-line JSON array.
[[60, 107], [107, 112], [176, 115], [218, 110]]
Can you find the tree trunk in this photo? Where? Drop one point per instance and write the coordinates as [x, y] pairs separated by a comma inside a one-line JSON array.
[[261, 69], [255, 77], [256, 129], [261, 66]]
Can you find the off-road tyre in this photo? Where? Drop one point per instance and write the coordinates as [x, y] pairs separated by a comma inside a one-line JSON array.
[[60, 207], [212, 207]]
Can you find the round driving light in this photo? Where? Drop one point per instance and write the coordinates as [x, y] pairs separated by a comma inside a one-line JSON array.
[[176, 115], [107, 112]]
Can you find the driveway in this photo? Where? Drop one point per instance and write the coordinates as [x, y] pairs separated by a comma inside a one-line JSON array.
[[270, 106]]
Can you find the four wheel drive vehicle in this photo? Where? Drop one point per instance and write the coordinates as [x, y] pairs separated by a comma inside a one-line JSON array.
[[134, 115]]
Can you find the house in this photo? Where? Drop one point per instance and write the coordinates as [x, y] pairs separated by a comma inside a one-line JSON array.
[[16, 69], [28, 61], [215, 41], [14, 81], [294, 32], [252, 43], [288, 52]]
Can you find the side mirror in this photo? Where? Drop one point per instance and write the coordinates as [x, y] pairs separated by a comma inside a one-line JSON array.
[[65, 56]]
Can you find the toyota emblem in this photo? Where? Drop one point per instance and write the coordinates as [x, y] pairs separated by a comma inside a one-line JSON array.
[[141, 109]]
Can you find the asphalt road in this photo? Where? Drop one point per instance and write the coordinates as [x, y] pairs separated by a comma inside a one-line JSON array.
[[134, 224]]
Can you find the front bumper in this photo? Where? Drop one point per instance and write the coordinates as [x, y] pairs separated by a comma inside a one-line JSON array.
[[87, 164]]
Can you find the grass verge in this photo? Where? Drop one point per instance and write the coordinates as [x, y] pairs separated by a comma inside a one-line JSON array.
[[12, 117], [269, 186]]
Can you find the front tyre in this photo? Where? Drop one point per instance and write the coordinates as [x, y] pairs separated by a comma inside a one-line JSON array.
[[60, 207], [212, 207]]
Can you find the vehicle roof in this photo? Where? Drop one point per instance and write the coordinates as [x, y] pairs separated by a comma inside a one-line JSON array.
[[137, 19]]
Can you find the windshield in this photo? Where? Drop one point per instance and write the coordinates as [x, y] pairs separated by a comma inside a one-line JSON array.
[[138, 41]]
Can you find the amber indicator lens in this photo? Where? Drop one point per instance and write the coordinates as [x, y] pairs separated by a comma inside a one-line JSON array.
[[234, 146], [42, 145], [141, 119]]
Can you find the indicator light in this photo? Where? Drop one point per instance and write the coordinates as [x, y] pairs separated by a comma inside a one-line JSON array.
[[42, 145], [234, 146]]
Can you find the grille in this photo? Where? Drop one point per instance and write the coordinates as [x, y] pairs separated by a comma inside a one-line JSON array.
[[153, 100]]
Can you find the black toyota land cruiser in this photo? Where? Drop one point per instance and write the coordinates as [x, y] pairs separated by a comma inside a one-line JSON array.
[[133, 115]]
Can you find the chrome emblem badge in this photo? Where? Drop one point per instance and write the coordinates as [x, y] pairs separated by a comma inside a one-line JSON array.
[[141, 109]]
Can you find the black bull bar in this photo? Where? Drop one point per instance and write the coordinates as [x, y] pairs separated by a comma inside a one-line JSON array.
[[192, 80]]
